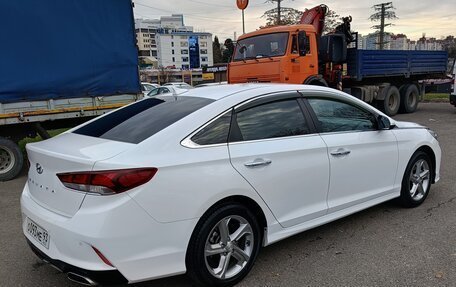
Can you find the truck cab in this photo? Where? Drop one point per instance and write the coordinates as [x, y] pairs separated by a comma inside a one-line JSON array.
[[285, 54]]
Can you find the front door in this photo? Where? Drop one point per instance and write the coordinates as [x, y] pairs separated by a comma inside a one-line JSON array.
[[273, 146], [363, 159], [304, 66]]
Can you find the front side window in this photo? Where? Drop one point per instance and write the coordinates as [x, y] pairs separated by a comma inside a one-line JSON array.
[[272, 120], [336, 116], [269, 45]]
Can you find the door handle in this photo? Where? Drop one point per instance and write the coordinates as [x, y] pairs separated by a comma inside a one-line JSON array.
[[258, 162], [340, 152]]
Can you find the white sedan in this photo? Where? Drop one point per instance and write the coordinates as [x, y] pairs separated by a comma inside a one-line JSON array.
[[165, 90], [197, 184], [147, 87]]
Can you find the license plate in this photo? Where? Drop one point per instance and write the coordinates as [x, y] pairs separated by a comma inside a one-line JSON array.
[[39, 233]]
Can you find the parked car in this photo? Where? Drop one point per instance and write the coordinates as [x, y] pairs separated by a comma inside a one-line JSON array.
[[165, 90], [199, 183], [147, 87], [211, 84], [180, 85]]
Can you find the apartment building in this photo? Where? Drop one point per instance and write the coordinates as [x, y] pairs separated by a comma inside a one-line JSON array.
[[172, 43], [185, 50], [399, 42]]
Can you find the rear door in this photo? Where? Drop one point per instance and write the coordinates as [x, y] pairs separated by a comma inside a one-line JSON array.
[[273, 146], [363, 159]]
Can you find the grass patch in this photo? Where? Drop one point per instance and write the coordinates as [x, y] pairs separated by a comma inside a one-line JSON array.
[[38, 138], [436, 97]]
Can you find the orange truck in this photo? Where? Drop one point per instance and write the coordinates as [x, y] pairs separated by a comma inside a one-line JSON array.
[[299, 54]]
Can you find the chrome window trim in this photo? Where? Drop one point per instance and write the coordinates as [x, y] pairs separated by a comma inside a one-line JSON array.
[[188, 143], [273, 139]]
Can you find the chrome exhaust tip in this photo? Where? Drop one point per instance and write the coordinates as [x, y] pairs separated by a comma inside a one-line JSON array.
[[81, 279]]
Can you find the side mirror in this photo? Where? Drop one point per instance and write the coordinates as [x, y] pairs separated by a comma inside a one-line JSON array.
[[302, 43], [384, 123]]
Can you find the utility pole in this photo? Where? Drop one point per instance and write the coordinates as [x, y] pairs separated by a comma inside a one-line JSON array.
[[382, 27], [383, 11], [278, 11]]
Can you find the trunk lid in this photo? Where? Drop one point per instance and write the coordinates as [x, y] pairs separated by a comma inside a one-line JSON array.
[[66, 153]]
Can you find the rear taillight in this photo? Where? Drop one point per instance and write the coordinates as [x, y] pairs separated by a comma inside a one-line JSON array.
[[107, 182]]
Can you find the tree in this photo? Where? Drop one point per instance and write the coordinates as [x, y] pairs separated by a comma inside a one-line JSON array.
[[449, 45], [288, 16], [228, 51], [217, 51], [332, 20], [163, 75]]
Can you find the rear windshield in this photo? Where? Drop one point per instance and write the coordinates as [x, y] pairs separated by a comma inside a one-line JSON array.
[[137, 122]]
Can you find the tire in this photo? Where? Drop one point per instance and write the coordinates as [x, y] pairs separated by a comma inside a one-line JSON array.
[[11, 159], [416, 182], [390, 105], [203, 268], [409, 98]]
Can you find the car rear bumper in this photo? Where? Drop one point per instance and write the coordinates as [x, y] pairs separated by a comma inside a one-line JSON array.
[[138, 247], [108, 277]]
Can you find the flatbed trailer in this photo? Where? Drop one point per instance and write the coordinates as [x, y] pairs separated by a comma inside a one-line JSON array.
[[414, 65]]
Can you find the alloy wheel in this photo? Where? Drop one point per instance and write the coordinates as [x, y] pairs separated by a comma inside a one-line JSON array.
[[229, 247], [419, 179]]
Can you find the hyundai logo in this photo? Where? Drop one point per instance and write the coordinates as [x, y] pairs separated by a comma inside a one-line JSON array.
[[39, 168]]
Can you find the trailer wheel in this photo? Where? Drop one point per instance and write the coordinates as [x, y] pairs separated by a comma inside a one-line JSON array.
[[390, 105], [409, 98], [11, 159]]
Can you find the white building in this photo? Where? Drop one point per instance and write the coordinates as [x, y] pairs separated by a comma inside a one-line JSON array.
[[172, 43], [430, 44], [399, 42], [184, 50], [371, 42]]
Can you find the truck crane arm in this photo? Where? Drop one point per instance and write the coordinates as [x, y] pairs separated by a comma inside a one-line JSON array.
[[315, 17]]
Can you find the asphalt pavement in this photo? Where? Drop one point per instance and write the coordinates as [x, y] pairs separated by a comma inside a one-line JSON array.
[[382, 246]]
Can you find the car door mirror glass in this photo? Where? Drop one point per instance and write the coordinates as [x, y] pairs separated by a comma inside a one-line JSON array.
[[383, 123]]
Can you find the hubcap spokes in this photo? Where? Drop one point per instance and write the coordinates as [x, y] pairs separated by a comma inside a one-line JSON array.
[[229, 247], [7, 160], [419, 180]]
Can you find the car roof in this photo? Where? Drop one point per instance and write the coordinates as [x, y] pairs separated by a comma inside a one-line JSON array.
[[221, 91]]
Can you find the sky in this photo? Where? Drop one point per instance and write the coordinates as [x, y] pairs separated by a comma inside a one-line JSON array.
[[221, 17]]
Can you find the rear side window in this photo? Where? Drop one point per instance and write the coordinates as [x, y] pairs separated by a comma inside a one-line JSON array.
[[272, 120], [215, 132], [143, 119]]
